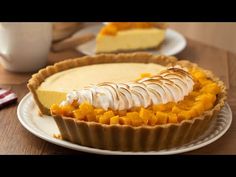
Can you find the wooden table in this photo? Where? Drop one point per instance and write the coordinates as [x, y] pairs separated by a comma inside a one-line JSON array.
[[15, 139]]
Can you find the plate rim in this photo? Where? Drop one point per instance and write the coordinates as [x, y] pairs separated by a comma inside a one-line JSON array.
[[81, 148], [184, 42]]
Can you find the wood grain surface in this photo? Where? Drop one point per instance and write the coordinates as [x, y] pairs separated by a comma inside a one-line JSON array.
[[14, 139]]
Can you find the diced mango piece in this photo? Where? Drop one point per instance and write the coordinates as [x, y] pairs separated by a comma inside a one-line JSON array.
[[186, 102], [124, 120], [172, 118], [159, 107], [211, 97], [91, 117], [97, 117], [134, 118], [109, 114], [205, 82], [137, 122], [99, 111], [112, 30], [133, 115], [162, 117], [194, 112], [114, 120], [169, 106], [104, 119], [145, 115], [55, 109], [176, 109], [184, 115], [86, 108], [163, 107], [212, 88], [79, 114], [198, 74], [207, 99], [122, 112], [66, 110], [152, 120], [199, 108]]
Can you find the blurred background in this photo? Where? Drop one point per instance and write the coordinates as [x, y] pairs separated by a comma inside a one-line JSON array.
[[221, 35], [65, 40]]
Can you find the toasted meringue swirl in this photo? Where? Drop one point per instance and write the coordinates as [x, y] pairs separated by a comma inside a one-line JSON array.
[[171, 85]]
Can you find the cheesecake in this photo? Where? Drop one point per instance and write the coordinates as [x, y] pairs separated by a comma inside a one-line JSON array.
[[129, 36]]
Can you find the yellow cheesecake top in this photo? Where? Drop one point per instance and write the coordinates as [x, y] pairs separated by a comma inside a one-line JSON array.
[[93, 74], [113, 27]]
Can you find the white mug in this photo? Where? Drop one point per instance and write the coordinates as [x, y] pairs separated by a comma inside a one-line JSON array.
[[24, 47]]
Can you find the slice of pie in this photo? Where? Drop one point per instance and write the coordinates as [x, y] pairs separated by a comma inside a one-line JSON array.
[[147, 103], [129, 36]]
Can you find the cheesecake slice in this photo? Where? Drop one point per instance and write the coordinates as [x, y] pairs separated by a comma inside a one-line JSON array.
[[129, 36]]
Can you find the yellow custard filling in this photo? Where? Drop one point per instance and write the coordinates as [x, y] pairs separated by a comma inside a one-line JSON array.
[[58, 85], [201, 99]]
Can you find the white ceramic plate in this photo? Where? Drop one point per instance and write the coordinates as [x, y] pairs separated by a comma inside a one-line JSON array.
[[44, 127], [173, 44]]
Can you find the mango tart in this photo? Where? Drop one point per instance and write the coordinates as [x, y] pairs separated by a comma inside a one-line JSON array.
[[156, 122]]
